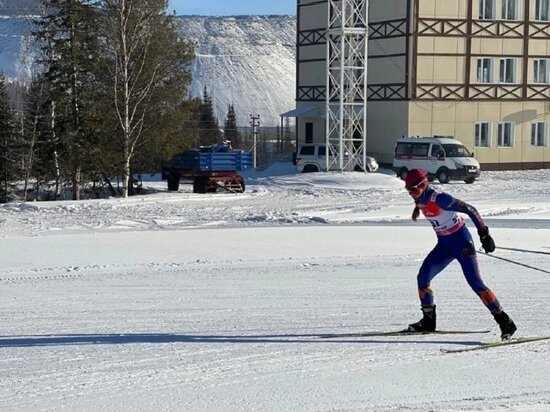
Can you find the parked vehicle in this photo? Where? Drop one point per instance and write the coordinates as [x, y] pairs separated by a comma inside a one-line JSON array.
[[312, 157], [208, 168], [443, 157]]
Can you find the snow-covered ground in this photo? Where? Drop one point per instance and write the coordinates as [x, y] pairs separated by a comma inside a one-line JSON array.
[[212, 302]]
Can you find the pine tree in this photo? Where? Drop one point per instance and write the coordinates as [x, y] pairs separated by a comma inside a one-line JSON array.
[[209, 132], [230, 128], [70, 42], [42, 146], [8, 149]]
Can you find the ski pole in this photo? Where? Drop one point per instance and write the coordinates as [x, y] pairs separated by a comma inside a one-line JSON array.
[[523, 250], [514, 262]]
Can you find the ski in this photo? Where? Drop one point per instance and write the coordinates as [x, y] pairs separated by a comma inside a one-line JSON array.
[[399, 333], [497, 344]]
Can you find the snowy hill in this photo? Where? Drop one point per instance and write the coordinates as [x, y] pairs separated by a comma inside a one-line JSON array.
[[16, 61], [18, 7], [245, 60]]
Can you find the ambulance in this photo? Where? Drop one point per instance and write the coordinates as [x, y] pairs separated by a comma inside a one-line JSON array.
[[443, 157]]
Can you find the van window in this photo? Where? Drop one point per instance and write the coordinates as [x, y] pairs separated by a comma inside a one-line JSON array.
[[322, 150], [307, 150], [456, 150], [437, 151], [403, 149], [420, 149]]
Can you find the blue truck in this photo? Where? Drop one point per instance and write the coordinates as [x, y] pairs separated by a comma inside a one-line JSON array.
[[208, 168]]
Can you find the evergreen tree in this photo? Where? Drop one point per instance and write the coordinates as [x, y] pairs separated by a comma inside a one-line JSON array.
[[176, 133], [209, 132], [230, 128], [34, 128], [8, 148], [44, 148], [70, 44]]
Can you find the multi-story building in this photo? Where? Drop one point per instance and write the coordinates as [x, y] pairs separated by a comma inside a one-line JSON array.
[[478, 70]]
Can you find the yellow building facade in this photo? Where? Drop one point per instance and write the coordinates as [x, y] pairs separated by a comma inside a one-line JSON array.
[[478, 70]]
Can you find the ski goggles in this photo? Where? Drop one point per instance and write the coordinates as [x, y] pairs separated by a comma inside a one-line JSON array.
[[418, 188]]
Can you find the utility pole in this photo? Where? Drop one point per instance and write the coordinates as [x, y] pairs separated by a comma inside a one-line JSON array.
[[255, 123]]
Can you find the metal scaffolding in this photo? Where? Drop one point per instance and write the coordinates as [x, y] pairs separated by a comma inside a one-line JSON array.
[[346, 92]]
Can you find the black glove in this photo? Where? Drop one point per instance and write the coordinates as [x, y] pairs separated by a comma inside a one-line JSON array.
[[486, 240]]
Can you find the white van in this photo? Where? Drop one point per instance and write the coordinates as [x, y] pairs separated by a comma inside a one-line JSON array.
[[443, 157], [312, 157]]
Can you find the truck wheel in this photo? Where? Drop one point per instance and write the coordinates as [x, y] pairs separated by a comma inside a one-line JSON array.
[[211, 185], [243, 185], [196, 185], [173, 183], [199, 185], [470, 180], [443, 175], [310, 169]]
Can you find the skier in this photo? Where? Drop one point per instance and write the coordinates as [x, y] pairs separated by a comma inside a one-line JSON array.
[[454, 241]]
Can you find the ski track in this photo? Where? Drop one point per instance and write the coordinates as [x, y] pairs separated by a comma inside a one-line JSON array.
[[180, 301], [65, 373]]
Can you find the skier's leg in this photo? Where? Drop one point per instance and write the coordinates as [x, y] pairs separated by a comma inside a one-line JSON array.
[[470, 267], [435, 262]]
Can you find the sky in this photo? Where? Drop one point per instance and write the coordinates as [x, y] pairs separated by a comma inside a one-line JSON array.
[[232, 7], [180, 301]]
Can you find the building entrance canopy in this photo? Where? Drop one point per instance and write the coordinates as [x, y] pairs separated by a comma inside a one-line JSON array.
[[305, 111]]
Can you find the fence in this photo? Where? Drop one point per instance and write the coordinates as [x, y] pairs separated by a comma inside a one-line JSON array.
[[270, 143]]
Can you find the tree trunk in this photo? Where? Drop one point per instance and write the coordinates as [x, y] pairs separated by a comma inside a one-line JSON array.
[[76, 182]]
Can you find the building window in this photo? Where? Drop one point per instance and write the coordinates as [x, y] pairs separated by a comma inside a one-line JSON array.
[[507, 70], [510, 9], [541, 71], [482, 134], [542, 10], [484, 70], [505, 134], [539, 131], [487, 9]]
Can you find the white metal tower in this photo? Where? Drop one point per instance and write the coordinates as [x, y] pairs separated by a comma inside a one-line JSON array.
[[346, 88]]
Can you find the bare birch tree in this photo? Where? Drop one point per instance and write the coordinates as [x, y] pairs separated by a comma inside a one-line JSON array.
[[146, 58]]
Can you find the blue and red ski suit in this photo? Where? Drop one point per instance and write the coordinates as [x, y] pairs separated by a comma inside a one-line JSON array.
[[454, 241]]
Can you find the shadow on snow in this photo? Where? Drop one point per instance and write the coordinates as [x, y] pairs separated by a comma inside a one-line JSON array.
[[156, 338]]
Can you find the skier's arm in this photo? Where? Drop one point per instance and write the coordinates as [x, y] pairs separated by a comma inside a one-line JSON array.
[[447, 202]]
